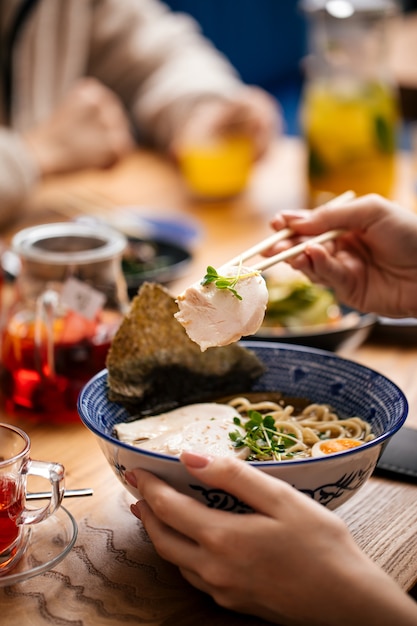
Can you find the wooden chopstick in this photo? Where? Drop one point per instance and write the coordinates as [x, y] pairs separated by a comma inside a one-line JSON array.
[[261, 246], [287, 254], [284, 234]]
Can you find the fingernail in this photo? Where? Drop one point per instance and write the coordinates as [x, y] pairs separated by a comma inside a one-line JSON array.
[[196, 461], [135, 510], [131, 479]]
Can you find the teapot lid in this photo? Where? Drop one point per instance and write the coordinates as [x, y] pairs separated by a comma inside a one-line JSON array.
[[68, 242]]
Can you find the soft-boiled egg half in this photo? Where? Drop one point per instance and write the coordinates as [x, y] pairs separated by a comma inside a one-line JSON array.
[[331, 446]]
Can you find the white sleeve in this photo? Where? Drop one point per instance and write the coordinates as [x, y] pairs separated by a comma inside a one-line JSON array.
[[18, 175], [158, 62]]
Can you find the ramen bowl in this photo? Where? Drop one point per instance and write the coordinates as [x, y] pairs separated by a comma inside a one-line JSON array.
[[322, 377]]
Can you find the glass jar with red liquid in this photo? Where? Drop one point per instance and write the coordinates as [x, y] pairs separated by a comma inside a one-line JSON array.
[[69, 301]]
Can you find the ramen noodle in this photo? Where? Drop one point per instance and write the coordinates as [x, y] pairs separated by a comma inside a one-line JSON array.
[[253, 431], [275, 431]]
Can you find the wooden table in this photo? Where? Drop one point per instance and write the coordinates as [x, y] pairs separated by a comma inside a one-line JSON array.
[[113, 576]]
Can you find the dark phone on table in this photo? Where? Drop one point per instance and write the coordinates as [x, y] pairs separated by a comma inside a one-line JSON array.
[[399, 458]]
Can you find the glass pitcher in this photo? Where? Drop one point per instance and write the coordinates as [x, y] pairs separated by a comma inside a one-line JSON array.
[[70, 297], [349, 111]]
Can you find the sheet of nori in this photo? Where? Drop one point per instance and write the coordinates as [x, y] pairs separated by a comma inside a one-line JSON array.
[[153, 365]]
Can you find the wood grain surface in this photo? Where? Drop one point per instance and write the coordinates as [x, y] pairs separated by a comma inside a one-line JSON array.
[[113, 575]]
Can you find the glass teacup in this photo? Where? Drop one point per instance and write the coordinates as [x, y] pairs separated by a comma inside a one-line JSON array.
[[15, 519]]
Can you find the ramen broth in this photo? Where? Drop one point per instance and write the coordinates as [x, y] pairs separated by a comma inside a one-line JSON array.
[[257, 427]]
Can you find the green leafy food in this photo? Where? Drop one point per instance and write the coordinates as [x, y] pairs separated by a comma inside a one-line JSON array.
[[143, 256], [221, 282], [316, 164], [132, 266], [225, 282], [262, 437], [385, 135], [299, 303]]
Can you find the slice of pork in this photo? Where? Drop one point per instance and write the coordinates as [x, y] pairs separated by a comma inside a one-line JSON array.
[[217, 317]]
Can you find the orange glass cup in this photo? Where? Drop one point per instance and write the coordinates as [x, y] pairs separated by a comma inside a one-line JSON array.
[[217, 168]]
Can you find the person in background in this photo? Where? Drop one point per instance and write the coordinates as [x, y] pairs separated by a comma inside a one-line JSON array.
[[266, 41], [292, 561], [84, 80]]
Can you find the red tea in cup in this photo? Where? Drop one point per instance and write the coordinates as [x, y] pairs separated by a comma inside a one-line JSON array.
[[11, 506], [15, 519]]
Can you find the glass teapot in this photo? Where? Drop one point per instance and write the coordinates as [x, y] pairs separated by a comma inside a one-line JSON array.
[[70, 297], [349, 111]]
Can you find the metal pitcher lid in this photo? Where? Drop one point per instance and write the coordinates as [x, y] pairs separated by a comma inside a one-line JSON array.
[[346, 8], [68, 242]]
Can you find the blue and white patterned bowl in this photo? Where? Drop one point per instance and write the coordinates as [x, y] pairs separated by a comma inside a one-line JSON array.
[[322, 377]]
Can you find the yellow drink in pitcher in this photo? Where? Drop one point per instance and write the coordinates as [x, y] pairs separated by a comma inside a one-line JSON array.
[[351, 139]]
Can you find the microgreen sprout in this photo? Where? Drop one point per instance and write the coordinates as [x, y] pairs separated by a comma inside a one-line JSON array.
[[262, 437], [225, 282]]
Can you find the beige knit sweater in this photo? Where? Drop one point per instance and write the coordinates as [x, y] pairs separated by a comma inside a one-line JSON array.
[[156, 61]]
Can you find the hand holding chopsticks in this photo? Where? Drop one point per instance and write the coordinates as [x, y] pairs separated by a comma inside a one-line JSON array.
[[287, 254], [284, 234]]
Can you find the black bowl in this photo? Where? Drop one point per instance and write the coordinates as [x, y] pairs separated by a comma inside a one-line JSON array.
[[401, 331], [153, 260], [350, 331]]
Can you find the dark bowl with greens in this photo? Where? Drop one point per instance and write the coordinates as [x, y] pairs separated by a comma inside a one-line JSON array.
[[152, 260], [308, 314]]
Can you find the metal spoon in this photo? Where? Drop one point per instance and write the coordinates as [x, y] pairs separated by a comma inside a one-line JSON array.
[[68, 493]]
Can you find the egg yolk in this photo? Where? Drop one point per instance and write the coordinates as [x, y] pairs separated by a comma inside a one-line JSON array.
[[338, 445]]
